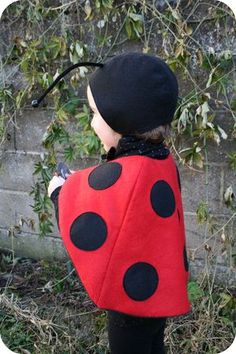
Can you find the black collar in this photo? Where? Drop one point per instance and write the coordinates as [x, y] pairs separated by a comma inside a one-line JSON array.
[[129, 145]]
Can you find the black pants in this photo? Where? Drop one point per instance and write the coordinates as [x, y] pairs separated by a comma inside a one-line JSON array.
[[135, 335]]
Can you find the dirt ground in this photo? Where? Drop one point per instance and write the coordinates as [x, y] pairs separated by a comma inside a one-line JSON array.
[[45, 309], [48, 301]]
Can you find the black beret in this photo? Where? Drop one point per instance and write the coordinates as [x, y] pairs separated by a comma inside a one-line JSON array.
[[135, 92]]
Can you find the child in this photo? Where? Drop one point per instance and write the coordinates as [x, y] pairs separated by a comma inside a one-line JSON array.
[[122, 221]]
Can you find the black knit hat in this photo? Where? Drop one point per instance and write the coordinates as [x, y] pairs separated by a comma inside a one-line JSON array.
[[135, 92]]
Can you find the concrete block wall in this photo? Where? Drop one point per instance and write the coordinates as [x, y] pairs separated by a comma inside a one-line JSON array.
[[23, 149]]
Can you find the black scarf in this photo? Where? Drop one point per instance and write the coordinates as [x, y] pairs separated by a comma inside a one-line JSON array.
[[130, 145]]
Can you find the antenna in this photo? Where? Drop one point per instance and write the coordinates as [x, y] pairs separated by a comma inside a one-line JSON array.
[[35, 103]]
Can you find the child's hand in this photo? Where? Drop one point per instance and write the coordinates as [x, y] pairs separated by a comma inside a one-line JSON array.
[[55, 182]]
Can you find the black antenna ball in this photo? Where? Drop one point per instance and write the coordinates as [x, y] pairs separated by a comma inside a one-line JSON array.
[[35, 103]]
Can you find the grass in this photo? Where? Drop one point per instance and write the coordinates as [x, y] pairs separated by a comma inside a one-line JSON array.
[[44, 309]]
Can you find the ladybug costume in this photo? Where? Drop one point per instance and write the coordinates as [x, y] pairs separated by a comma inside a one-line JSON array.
[[128, 247], [122, 221]]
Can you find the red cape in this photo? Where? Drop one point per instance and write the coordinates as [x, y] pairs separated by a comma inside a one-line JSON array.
[[122, 224]]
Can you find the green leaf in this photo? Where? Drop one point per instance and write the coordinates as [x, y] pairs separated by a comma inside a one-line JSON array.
[[194, 291], [202, 213], [24, 65], [72, 105], [193, 155], [69, 153], [136, 17], [232, 160], [128, 28]]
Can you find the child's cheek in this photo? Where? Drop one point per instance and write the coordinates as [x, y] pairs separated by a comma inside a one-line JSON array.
[[97, 130]]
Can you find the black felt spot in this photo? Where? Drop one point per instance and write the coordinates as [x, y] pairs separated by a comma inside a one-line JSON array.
[[178, 214], [178, 178], [140, 281], [186, 265], [105, 175], [163, 199], [88, 231]]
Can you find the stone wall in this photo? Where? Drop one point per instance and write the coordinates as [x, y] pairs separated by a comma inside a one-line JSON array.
[[23, 148]]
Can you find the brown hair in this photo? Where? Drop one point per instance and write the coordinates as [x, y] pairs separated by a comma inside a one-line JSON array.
[[156, 135]]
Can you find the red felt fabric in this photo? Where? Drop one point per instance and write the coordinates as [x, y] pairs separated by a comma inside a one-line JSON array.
[[136, 233]]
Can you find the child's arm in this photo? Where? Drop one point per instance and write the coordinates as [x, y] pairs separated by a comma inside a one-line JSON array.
[[61, 174], [53, 192], [56, 181]]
